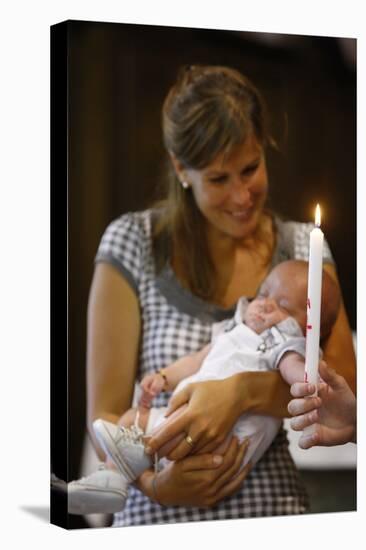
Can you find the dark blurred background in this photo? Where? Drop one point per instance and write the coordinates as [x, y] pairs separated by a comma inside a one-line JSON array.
[[118, 77]]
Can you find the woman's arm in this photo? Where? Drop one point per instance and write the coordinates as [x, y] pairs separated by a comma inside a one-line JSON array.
[[112, 346], [338, 348], [215, 405], [201, 480]]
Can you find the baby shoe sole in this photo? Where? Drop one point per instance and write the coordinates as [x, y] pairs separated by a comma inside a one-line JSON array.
[[90, 500]]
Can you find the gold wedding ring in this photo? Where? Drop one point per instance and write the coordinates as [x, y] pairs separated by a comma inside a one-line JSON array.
[[189, 440]]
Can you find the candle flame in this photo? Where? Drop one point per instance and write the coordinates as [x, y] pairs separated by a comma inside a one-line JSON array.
[[317, 216]]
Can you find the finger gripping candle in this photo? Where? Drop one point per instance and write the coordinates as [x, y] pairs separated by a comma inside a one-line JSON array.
[[314, 301]]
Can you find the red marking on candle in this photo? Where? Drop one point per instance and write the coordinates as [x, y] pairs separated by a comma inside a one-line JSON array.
[[308, 303], [309, 327]]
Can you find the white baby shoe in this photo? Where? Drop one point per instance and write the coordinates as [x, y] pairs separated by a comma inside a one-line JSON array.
[[104, 491], [124, 446]]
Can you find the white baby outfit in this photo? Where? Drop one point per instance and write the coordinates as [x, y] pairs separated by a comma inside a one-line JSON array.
[[236, 348]]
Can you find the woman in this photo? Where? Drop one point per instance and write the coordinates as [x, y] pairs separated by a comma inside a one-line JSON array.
[[165, 275]]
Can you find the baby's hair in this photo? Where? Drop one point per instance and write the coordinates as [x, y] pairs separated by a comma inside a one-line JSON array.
[[331, 302], [331, 297]]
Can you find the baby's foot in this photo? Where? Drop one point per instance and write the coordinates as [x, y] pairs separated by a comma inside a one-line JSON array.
[[103, 491], [124, 446]]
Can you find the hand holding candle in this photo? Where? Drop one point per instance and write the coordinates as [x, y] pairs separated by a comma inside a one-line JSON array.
[[314, 301]]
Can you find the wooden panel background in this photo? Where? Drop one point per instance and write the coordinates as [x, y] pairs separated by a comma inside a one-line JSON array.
[[118, 77]]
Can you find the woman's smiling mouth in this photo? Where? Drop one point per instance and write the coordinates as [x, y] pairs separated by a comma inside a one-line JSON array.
[[241, 215]]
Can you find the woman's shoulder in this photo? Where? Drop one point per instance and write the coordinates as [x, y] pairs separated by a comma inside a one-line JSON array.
[[293, 239], [291, 228], [139, 220], [129, 234], [126, 245], [134, 227]]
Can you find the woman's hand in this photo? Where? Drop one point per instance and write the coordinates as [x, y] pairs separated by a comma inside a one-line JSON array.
[[213, 408], [200, 480]]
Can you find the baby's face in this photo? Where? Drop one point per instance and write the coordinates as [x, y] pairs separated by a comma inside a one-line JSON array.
[[264, 312], [278, 298]]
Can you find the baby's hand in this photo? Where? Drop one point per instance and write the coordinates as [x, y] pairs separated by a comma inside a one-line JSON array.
[[151, 385]]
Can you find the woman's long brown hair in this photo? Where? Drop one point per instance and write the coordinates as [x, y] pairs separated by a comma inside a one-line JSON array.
[[208, 111]]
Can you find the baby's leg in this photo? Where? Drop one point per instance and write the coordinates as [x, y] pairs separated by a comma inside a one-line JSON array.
[[147, 420], [152, 421], [128, 418], [260, 430]]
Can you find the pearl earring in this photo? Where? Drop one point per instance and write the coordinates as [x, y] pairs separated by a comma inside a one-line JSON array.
[[185, 184]]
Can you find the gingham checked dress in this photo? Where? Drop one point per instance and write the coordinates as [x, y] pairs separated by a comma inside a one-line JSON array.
[[175, 323]]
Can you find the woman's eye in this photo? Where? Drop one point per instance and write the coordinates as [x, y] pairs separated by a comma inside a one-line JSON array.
[[218, 179], [250, 170]]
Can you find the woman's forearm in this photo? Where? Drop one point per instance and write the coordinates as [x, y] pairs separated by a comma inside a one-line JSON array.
[[212, 407], [200, 480], [263, 393]]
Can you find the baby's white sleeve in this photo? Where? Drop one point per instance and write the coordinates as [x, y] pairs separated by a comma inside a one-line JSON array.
[[296, 344]]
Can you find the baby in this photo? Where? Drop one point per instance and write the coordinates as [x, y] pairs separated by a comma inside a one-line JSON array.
[[264, 334]]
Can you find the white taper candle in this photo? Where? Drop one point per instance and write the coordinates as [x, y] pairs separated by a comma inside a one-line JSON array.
[[314, 301]]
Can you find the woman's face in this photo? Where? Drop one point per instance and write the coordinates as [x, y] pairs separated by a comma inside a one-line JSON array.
[[231, 190]]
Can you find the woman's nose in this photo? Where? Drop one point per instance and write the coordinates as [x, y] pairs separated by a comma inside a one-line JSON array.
[[241, 191], [241, 194]]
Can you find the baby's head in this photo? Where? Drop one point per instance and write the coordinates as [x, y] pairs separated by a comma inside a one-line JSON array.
[[283, 293]]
